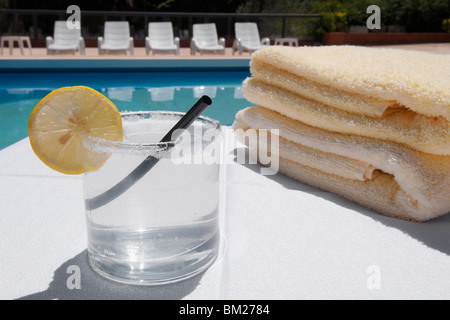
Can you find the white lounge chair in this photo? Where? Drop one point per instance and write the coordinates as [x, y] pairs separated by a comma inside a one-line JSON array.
[[205, 39], [247, 38], [160, 39], [116, 38], [65, 40]]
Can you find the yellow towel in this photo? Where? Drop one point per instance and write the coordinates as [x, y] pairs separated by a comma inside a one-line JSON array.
[[311, 157], [385, 176], [387, 94], [427, 134], [371, 125], [351, 102], [418, 80]]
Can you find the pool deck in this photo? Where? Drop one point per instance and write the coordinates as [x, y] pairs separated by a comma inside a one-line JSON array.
[[138, 61], [139, 53], [39, 60], [438, 48]]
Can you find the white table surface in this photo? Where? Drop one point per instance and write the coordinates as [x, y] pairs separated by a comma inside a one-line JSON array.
[[280, 240]]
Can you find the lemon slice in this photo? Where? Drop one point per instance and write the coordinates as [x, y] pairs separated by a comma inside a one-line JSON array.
[[61, 121]]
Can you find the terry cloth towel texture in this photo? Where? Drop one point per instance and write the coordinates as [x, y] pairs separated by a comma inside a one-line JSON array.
[[368, 124]]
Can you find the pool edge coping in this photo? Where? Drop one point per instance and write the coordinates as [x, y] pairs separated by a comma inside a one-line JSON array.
[[136, 64]]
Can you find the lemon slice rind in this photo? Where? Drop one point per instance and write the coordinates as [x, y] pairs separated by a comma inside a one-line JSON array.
[[61, 121]]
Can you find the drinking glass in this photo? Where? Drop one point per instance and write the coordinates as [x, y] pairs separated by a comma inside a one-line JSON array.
[[163, 227]]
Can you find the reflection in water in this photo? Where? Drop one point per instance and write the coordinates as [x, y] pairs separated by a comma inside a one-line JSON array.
[[17, 104], [162, 94], [238, 94], [19, 91], [120, 94], [200, 91], [227, 100]]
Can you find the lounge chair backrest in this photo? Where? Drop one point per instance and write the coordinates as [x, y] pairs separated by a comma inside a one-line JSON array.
[[205, 34], [65, 36], [247, 32], [160, 34], [117, 33]]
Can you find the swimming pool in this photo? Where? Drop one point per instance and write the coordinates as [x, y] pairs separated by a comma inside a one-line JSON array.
[[130, 90]]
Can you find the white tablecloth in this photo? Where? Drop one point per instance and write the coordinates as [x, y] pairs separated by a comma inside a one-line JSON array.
[[280, 240]]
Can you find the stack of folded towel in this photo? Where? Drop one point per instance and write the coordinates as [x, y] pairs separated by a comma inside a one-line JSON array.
[[371, 125]]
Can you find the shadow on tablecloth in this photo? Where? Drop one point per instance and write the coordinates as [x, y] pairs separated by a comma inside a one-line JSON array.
[[434, 233], [95, 287]]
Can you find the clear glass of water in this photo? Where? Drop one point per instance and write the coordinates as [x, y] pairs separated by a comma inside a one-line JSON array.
[[164, 228]]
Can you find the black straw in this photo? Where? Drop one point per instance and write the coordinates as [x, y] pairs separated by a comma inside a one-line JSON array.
[[146, 165]]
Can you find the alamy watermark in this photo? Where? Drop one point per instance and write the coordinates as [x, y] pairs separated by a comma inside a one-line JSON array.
[[374, 277], [74, 280], [249, 146], [74, 21], [374, 21]]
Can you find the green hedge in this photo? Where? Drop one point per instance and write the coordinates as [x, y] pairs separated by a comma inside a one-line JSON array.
[[339, 15]]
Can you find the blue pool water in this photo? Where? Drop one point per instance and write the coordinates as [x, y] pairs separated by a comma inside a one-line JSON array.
[[129, 91]]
